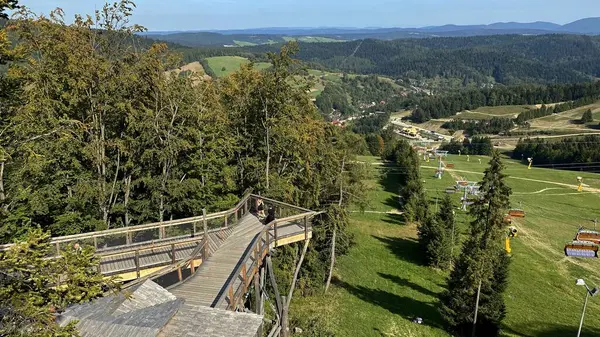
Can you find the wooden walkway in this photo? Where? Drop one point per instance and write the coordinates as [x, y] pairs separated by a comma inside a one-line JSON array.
[[208, 260], [208, 285], [164, 254]]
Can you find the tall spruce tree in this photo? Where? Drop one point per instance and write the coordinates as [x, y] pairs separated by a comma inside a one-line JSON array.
[[482, 262], [436, 236]]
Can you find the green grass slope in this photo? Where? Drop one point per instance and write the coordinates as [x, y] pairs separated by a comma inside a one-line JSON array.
[[382, 284], [225, 65]]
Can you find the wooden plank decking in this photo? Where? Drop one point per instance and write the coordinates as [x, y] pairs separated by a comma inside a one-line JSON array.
[[206, 287], [209, 286]]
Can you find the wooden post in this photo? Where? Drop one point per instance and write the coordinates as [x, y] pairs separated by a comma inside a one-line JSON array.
[[285, 331], [244, 276], [173, 253], [192, 268], [204, 224], [262, 293], [274, 285], [137, 263], [268, 241], [100, 266], [194, 224], [306, 228], [231, 300], [95, 243], [161, 234], [179, 276], [246, 206], [225, 221], [275, 232], [57, 249], [236, 216], [258, 298], [129, 238], [205, 238]]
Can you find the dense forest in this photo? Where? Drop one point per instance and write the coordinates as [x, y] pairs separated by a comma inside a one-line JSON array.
[[474, 146], [484, 126], [355, 94], [449, 104], [505, 59], [573, 153]]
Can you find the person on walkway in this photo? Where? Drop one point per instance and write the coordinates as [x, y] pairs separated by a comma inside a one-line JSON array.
[[260, 208], [270, 216]]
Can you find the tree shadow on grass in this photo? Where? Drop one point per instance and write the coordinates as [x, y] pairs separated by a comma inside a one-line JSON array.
[[394, 219], [405, 249], [550, 330], [406, 307], [389, 181], [392, 202], [406, 283]]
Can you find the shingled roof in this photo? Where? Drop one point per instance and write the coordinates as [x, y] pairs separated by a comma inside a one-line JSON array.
[[195, 320], [141, 311], [148, 310]]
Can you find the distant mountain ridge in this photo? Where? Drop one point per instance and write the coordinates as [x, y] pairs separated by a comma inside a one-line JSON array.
[[257, 36]]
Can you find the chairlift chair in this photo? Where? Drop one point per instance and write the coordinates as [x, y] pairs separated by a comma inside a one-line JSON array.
[[588, 236], [517, 213], [581, 249]]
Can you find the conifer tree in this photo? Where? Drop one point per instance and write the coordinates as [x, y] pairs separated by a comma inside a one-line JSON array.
[[483, 263], [33, 287], [436, 236]]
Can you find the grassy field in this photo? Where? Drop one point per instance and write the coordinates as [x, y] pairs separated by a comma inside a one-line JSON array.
[[311, 39], [508, 111], [225, 65], [382, 284], [568, 120]]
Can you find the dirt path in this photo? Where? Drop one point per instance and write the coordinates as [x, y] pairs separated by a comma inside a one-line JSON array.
[[585, 188]]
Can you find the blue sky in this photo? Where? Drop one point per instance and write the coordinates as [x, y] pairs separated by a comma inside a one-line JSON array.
[[234, 14]]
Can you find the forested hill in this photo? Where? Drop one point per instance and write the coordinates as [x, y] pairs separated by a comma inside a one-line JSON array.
[[506, 59]]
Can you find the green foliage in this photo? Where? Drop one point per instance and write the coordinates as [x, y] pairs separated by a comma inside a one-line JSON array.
[[35, 287], [589, 98], [509, 59], [440, 106], [411, 190], [371, 124], [587, 116], [436, 236], [475, 146], [482, 261], [375, 144], [576, 151], [474, 127], [334, 98]]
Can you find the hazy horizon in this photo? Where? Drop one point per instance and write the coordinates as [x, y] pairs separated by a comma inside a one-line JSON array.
[[194, 15]]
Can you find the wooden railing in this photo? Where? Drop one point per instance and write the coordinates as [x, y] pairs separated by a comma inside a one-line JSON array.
[[260, 247], [270, 239], [153, 233]]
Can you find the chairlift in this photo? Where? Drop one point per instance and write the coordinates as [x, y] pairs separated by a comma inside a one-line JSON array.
[[581, 249], [462, 183], [588, 236], [517, 213], [450, 190]]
